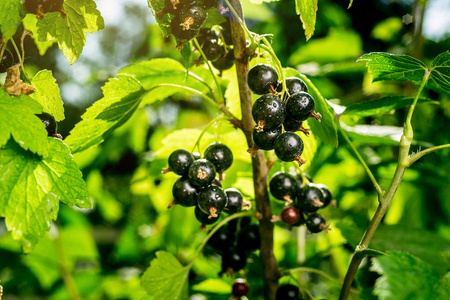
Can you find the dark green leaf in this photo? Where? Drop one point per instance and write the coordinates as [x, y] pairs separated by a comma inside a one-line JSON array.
[[307, 10], [440, 74], [166, 278], [47, 94], [11, 14]]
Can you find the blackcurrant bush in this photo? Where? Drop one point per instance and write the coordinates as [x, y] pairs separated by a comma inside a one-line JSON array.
[[327, 197], [6, 62], [192, 17], [182, 36], [249, 238], [179, 161], [202, 173], [233, 260], [290, 124], [212, 200], [289, 147], [300, 106], [222, 239], [269, 112], [225, 62], [283, 186], [315, 223], [295, 85], [265, 139], [290, 215], [288, 292], [184, 193], [203, 218], [262, 79], [310, 198], [235, 201], [220, 156], [240, 287], [49, 123]]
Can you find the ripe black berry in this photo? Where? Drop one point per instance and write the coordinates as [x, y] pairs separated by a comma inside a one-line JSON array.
[[213, 50], [182, 36], [225, 62], [268, 112], [262, 79], [233, 260], [202, 173], [288, 292], [289, 147], [265, 139], [196, 155], [192, 17], [235, 201], [310, 199], [290, 215], [6, 62], [295, 85], [180, 160], [212, 200], [240, 287], [222, 240], [315, 223], [241, 223], [283, 186], [300, 106], [184, 193], [220, 155], [327, 197], [290, 124], [249, 238], [203, 218], [49, 123]]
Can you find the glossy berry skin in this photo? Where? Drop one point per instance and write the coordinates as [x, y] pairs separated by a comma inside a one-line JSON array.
[[184, 193], [249, 238], [310, 199], [240, 287], [262, 78], [299, 106], [295, 85], [196, 155], [315, 223], [270, 110], [225, 62], [288, 292], [192, 17], [265, 139], [6, 62], [282, 185], [201, 173], [182, 36], [213, 50], [301, 220], [212, 200], [220, 156], [327, 197], [290, 215], [241, 223], [180, 160], [49, 123], [234, 259], [234, 201], [288, 146], [203, 218], [290, 124], [222, 240]]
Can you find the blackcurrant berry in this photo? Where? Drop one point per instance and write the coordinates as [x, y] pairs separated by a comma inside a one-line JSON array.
[[226, 31], [241, 223], [212, 200], [203, 218], [268, 112], [295, 85], [225, 62], [240, 287], [235, 201], [6, 62], [169, 8], [265, 139], [182, 36], [290, 124], [213, 50], [327, 197], [233, 260], [207, 35], [262, 79], [290, 215], [192, 17], [289, 147], [184, 193], [301, 220], [315, 223], [180, 160], [288, 292], [300, 106], [196, 155], [201, 173], [310, 198], [283, 186], [249, 238], [49, 123], [222, 239], [220, 156]]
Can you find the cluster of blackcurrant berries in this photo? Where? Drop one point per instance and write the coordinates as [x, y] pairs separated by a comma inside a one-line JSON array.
[[272, 114], [41, 7], [235, 242], [198, 185], [302, 197], [288, 292]]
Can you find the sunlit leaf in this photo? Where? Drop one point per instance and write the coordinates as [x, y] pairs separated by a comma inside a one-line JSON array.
[[212, 285], [440, 74], [11, 14], [307, 10], [163, 21], [47, 94], [30, 23]]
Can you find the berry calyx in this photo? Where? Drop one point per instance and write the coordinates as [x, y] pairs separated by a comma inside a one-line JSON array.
[[310, 199], [300, 106], [265, 139], [327, 197], [300, 177], [249, 238], [179, 162], [184, 193], [201, 173], [288, 292], [182, 36], [6, 62], [233, 260], [235, 201], [49, 123], [268, 112], [203, 218], [283, 186], [289, 147], [212, 200], [220, 156], [262, 79], [316, 223], [193, 17], [240, 287]]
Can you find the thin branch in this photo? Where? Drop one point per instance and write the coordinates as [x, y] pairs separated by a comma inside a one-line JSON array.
[[415, 157]]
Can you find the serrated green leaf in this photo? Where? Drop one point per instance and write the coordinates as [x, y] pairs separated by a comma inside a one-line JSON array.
[[307, 10], [163, 22], [122, 97], [47, 94], [17, 119], [166, 278], [440, 74], [381, 106], [405, 276], [11, 14], [32, 188], [326, 130], [386, 66], [30, 23], [70, 32]]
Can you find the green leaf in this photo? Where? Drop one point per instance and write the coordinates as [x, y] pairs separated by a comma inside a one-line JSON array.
[[374, 134], [307, 10], [214, 286], [70, 32], [405, 276], [166, 278], [385, 66], [11, 14], [440, 74], [32, 188], [381, 106], [30, 23], [164, 22], [326, 130], [17, 119], [47, 94], [122, 97]]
